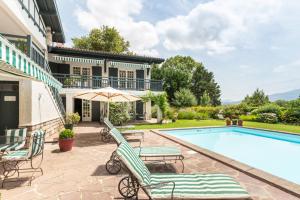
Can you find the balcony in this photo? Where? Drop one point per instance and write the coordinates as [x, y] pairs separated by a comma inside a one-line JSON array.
[[76, 81]]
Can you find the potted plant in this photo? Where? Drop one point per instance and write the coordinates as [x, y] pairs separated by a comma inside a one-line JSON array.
[[71, 119], [234, 122], [240, 122], [66, 139], [228, 121]]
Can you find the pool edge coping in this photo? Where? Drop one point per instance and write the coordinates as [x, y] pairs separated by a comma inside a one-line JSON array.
[[280, 183]]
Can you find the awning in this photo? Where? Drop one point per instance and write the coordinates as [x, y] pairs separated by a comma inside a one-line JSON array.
[[78, 60], [7, 69], [130, 65]]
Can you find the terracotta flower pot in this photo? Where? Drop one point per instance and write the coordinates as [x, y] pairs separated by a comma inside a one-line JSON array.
[[65, 144], [240, 122], [228, 122]]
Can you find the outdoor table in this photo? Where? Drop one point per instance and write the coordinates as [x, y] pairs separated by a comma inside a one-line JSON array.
[[8, 141]]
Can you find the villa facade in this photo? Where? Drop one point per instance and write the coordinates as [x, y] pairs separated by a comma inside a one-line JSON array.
[[82, 70], [39, 77]]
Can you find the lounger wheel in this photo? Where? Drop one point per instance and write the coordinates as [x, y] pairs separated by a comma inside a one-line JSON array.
[[128, 187], [113, 166]]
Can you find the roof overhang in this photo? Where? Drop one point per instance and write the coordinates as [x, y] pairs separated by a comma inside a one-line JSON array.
[[74, 52], [49, 12]]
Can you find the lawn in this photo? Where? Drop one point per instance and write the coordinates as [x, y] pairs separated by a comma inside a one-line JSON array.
[[202, 123]]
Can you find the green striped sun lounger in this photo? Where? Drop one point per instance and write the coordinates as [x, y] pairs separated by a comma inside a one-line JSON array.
[[125, 133], [174, 186], [151, 154]]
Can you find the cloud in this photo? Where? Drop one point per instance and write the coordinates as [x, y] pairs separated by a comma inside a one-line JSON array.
[[216, 26], [288, 67], [120, 14]]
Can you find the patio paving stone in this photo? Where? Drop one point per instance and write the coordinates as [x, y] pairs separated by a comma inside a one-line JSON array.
[[80, 174]]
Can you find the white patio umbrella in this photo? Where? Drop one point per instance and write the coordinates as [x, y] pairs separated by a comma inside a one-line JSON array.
[[108, 95]]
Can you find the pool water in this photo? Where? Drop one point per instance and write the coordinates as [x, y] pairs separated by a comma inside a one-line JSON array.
[[273, 152]]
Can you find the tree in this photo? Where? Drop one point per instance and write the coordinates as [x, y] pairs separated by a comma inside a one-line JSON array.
[[258, 98], [184, 72], [205, 99], [184, 98], [203, 81], [176, 73], [104, 39]]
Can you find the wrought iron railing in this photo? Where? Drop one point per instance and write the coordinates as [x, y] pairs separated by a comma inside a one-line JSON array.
[[76, 81], [58, 100]]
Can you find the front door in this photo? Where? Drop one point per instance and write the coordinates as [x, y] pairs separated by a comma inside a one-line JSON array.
[[86, 111], [9, 106]]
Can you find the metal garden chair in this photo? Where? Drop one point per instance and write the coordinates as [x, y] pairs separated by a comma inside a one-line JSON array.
[[10, 135], [173, 186], [13, 161]]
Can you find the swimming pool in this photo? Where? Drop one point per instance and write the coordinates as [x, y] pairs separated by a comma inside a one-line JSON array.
[[273, 152]]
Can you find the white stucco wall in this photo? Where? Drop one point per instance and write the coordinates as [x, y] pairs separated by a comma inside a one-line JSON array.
[[36, 103]]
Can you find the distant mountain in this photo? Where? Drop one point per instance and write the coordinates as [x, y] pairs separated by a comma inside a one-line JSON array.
[[229, 102], [290, 95]]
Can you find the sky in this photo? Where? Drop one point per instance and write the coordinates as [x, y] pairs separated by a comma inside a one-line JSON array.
[[246, 44]]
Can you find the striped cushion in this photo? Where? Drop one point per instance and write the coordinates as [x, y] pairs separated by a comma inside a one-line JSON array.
[[37, 144], [197, 186], [117, 136], [11, 133], [16, 155], [158, 151], [134, 163]]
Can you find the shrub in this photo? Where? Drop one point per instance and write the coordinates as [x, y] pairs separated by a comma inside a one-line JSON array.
[[184, 98], [231, 111], [268, 108], [118, 113], [292, 114], [66, 134], [172, 114], [201, 116], [248, 117], [73, 118], [211, 112], [186, 114], [154, 111], [270, 118]]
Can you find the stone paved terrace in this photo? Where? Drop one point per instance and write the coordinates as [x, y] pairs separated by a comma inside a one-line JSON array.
[[80, 173]]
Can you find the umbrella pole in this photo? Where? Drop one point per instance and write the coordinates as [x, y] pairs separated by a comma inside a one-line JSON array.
[[108, 110]]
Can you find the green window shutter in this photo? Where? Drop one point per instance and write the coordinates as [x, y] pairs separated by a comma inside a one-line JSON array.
[[0, 50], [33, 72], [14, 59], [24, 69], [20, 62], [29, 70], [7, 54]]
